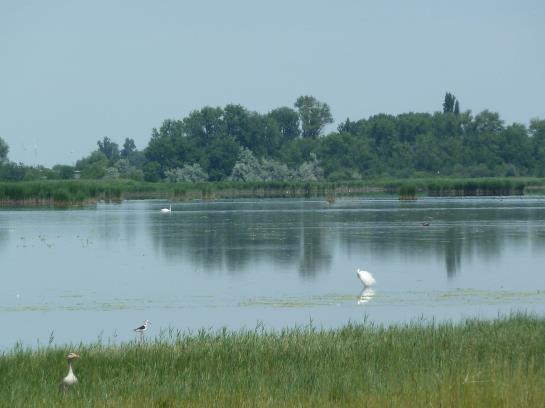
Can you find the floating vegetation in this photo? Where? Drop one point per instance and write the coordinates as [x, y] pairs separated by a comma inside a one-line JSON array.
[[453, 297]]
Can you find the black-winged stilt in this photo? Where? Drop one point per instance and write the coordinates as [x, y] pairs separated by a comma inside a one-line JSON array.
[[143, 328]]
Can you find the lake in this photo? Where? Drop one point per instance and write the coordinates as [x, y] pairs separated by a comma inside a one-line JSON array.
[[97, 272]]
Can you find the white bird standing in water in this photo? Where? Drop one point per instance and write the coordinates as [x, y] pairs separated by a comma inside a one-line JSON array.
[[167, 210], [70, 378], [366, 278]]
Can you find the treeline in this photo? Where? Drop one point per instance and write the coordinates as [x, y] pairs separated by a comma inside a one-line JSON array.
[[288, 144]]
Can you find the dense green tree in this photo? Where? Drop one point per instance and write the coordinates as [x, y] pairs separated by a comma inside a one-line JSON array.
[[129, 147], [410, 125], [515, 148], [314, 115], [220, 158], [152, 171], [63, 172], [428, 155], [93, 166], [537, 133], [287, 121], [251, 130], [297, 151], [381, 129], [168, 148], [4, 149], [449, 104], [204, 125], [284, 144], [190, 173], [12, 171], [338, 153], [109, 149]]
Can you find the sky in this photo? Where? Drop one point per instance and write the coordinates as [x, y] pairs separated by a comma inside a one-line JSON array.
[[73, 72]]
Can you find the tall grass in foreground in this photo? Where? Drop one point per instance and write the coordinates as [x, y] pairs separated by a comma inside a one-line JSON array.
[[476, 363]]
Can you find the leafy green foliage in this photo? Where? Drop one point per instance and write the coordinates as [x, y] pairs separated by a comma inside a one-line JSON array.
[[94, 166], [3, 150], [287, 144], [109, 149], [314, 115], [192, 173], [451, 104]]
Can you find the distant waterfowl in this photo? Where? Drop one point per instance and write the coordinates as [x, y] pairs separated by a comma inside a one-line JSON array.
[[425, 224], [70, 378], [365, 277], [143, 328], [167, 210]]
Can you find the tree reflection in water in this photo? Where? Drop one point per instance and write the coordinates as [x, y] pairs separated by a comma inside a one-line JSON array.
[[304, 235]]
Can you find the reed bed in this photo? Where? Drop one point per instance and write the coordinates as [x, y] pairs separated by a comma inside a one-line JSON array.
[[63, 193], [497, 363]]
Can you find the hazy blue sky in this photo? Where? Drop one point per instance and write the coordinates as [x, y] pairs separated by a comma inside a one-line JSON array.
[[72, 72]]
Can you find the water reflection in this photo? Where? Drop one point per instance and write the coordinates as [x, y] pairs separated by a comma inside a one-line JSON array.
[[233, 238], [365, 296], [306, 235], [4, 233], [209, 264]]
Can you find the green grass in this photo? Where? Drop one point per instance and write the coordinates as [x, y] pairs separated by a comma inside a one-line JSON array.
[[475, 363], [79, 192]]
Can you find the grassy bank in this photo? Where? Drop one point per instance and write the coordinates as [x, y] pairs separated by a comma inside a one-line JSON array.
[[476, 363], [78, 192]]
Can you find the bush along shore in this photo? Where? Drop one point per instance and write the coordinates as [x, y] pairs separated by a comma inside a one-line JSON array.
[[473, 363], [81, 192]]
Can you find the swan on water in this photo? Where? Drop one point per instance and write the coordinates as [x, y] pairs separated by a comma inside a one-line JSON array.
[[167, 210]]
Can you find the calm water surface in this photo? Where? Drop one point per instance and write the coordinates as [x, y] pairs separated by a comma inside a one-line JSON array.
[[96, 273]]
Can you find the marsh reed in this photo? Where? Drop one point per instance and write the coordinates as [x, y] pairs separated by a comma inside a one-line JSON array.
[[473, 363]]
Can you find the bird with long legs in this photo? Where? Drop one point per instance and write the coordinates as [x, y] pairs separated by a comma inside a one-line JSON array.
[[142, 329]]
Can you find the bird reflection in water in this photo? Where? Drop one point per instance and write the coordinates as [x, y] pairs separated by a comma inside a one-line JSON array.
[[366, 295], [367, 280]]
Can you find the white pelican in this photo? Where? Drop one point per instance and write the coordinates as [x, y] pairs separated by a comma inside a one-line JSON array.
[[70, 378], [167, 210], [366, 278], [143, 328]]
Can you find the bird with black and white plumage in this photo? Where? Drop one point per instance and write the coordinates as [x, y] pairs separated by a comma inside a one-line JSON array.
[[143, 328], [70, 378], [365, 277]]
